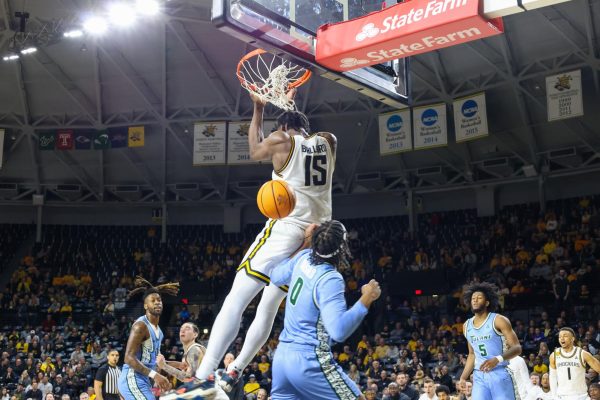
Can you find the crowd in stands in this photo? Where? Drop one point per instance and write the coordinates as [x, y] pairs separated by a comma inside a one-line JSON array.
[[545, 264]]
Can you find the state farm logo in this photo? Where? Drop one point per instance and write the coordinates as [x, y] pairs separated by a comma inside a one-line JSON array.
[[351, 62], [368, 31], [409, 17]]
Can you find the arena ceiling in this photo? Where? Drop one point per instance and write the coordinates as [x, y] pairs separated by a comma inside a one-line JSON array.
[[170, 71]]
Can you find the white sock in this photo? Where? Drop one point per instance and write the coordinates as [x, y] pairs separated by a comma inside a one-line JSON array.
[[261, 326], [227, 323]]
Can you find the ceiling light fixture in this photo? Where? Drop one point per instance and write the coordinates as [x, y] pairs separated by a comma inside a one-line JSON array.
[[147, 7], [95, 25], [11, 57], [73, 34], [28, 50], [121, 15]]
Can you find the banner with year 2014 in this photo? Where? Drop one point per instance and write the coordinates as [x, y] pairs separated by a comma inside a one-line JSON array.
[[394, 132], [238, 148], [209, 143], [564, 97], [430, 126], [470, 117]]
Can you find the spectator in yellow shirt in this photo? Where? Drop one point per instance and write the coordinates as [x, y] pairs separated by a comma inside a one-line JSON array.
[[540, 367], [252, 386], [382, 349], [541, 258], [264, 364]]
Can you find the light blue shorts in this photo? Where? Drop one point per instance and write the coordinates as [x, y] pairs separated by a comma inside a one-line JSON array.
[[133, 386], [303, 372], [497, 384]]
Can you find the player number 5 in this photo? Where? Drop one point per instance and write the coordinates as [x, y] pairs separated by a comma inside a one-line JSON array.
[[482, 350]]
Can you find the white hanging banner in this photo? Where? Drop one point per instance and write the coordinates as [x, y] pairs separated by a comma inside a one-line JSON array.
[[394, 132], [1, 147], [564, 96], [430, 126], [238, 148], [209, 143], [470, 117]]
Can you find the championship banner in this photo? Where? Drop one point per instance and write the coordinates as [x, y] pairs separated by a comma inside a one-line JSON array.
[[238, 149], [64, 139], [564, 96], [209, 143], [470, 117], [136, 136], [394, 132], [429, 126], [1, 147]]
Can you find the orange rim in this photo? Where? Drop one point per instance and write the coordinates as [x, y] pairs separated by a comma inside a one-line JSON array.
[[296, 83]]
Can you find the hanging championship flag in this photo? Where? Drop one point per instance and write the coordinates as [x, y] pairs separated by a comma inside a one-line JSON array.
[[47, 140], [238, 149], [394, 132], [64, 139], [564, 96], [136, 136], [209, 143], [470, 117], [429, 126]]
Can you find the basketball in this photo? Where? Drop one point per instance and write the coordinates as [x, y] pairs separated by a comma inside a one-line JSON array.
[[276, 199]]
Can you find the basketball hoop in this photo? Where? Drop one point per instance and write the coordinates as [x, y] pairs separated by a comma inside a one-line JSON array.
[[270, 77]]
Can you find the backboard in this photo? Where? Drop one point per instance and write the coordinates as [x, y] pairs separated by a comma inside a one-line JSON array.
[[288, 28]]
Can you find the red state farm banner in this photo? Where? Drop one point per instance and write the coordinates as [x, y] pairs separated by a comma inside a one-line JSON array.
[[402, 30], [64, 140]]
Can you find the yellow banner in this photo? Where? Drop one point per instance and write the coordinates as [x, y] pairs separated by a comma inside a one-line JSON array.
[[136, 136]]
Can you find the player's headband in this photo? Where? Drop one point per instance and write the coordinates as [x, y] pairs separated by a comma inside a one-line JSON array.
[[345, 237]]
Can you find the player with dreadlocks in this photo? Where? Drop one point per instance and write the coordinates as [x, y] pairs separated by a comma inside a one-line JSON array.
[[143, 345], [315, 314], [492, 343]]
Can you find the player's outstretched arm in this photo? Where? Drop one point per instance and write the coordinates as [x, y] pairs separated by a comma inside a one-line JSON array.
[[139, 333], [468, 370], [340, 321], [553, 375], [591, 361]]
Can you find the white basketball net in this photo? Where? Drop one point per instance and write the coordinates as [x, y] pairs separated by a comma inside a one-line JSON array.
[[270, 81]]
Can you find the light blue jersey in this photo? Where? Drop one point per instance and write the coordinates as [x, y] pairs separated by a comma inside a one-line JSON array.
[[487, 343], [135, 386], [315, 315]]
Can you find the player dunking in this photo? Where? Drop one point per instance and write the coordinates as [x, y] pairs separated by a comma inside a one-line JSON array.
[[315, 314], [492, 342], [143, 345], [306, 162], [568, 366]]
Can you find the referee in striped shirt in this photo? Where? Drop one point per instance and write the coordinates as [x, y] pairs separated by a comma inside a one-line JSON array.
[[107, 377]]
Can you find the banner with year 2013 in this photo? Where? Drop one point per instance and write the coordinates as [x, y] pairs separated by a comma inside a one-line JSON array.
[[430, 126], [564, 97], [209, 143], [394, 132], [238, 148]]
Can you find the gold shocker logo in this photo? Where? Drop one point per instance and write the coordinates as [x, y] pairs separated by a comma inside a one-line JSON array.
[[209, 130], [563, 83]]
